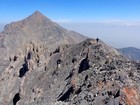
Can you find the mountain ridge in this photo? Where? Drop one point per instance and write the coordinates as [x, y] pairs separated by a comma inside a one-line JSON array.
[[131, 52], [44, 64], [38, 28]]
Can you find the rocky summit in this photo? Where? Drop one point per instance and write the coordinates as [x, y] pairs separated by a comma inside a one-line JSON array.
[[35, 29], [45, 64]]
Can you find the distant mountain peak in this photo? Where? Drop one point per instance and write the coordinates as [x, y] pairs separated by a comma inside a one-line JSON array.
[[38, 12], [37, 27], [37, 16]]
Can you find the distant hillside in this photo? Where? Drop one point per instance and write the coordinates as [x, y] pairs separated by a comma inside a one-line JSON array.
[[1, 27], [131, 52]]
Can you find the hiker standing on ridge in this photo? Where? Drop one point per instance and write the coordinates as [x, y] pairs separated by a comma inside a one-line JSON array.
[[97, 39]]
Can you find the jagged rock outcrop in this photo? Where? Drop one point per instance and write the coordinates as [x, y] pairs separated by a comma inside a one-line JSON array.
[[24, 46], [106, 77], [69, 73]]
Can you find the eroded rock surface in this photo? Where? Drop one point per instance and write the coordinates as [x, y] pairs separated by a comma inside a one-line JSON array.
[[106, 77], [54, 69]]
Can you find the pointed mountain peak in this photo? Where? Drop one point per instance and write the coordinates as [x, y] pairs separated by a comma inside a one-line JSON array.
[[34, 19], [37, 14], [38, 17]]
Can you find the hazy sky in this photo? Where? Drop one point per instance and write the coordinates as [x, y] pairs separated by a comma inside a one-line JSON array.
[[116, 34], [117, 22]]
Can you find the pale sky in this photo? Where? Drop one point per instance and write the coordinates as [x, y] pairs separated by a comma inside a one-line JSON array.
[[117, 34]]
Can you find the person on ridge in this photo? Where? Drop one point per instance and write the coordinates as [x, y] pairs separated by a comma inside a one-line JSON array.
[[97, 39]]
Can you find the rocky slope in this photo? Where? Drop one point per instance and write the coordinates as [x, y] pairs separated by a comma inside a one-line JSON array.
[[88, 73], [61, 71], [37, 36]]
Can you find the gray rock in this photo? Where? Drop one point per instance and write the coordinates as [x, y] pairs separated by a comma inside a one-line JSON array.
[[44, 64]]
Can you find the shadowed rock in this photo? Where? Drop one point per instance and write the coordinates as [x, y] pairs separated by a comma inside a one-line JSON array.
[[16, 99]]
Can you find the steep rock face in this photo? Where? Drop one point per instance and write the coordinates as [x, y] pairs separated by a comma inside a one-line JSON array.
[[88, 73], [39, 28]]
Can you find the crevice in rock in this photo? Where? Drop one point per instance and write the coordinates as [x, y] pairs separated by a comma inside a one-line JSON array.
[[74, 60], [36, 49], [59, 61], [66, 95], [89, 85], [84, 65], [57, 50], [15, 58], [16, 98], [109, 93], [86, 77], [29, 55], [78, 91], [70, 75], [55, 73], [117, 94], [24, 69]]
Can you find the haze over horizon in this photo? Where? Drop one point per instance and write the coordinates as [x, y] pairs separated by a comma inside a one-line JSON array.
[[116, 22]]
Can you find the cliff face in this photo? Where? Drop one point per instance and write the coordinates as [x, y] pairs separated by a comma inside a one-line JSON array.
[[47, 66]]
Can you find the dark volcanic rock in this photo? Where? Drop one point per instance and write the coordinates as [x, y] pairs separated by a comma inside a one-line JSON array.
[[106, 80], [24, 46], [43, 67]]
